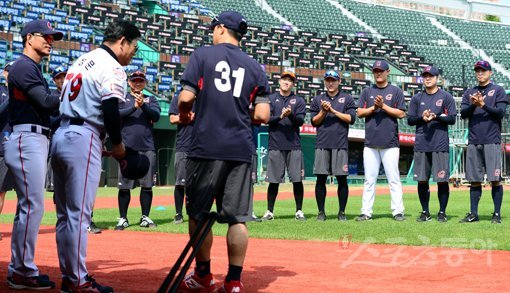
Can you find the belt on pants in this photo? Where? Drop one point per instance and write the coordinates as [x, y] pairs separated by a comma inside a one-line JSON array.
[[32, 128]]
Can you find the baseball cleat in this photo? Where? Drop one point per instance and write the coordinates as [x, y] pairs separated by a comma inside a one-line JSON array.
[[255, 218], [363, 217], [496, 218], [342, 217], [399, 217], [93, 229], [442, 217], [89, 286], [424, 217], [193, 283], [122, 224], [321, 216], [19, 282], [470, 217], [300, 216], [232, 287], [146, 222], [178, 219], [268, 216]]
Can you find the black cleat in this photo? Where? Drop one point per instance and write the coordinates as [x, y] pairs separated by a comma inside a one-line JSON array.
[[442, 217], [321, 216], [424, 217], [399, 217], [470, 218], [496, 218], [363, 217]]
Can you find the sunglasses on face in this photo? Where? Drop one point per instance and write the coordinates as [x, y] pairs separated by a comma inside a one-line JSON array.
[[47, 38]]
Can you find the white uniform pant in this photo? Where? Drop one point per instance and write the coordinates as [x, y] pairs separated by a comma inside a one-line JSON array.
[[372, 159]]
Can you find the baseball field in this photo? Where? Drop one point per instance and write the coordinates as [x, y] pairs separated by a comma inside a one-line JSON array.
[[286, 255]]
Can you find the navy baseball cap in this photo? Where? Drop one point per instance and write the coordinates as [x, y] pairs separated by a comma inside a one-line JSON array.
[[232, 20], [41, 26], [432, 70], [8, 65], [59, 70], [483, 64], [134, 165], [137, 75], [331, 74], [381, 65]]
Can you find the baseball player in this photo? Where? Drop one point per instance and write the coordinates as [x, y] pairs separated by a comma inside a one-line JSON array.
[[94, 85], [222, 80], [58, 76], [182, 146], [431, 111], [138, 113], [484, 106], [26, 150], [381, 105], [287, 115], [6, 181], [331, 113]]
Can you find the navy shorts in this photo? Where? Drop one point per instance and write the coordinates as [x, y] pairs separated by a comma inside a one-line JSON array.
[[227, 182]]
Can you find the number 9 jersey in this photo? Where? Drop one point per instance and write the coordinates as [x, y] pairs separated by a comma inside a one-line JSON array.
[[94, 77]]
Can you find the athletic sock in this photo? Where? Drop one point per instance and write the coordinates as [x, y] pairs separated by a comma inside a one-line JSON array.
[[475, 192], [272, 192], [424, 195], [298, 194], [203, 268], [179, 198], [146, 200], [497, 198], [443, 193], [320, 191], [234, 273], [342, 192], [124, 199]]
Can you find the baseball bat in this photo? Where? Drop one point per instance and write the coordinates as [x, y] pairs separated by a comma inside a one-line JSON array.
[[171, 283]]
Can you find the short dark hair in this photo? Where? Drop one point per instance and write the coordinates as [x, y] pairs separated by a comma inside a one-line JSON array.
[[234, 34], [121, 28]]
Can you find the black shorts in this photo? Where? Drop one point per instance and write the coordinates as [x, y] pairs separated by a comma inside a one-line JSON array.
[[227, 182]]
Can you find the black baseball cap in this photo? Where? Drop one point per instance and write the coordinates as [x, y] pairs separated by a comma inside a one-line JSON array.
[[59, 70], [137, 75], [331, 74], [8, 66], [483, 64], [432, 70], [381, 65], [41, 26], [232, 20]]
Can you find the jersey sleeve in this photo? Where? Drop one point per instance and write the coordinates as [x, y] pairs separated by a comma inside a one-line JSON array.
[[465, 98], [192, 75], [27, 76], [261, 91], [300, 107], [315, 106], [413, 107], [363, 98], [113, 83], [174, 109], [400, 102], [501, 96], [449, 107]]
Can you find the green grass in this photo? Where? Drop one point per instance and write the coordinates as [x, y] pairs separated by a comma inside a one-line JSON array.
[[382, 229]]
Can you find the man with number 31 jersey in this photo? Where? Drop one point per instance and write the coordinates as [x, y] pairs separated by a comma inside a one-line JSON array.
[[224, 83]]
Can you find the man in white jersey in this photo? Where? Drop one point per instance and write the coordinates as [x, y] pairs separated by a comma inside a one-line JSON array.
[[94, 85]]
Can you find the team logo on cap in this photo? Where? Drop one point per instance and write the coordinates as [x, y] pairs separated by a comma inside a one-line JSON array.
[[49, 25], [441, 174], [491, 93], [389, 97], [293, 101], [439, 103], [428, 68], [378, 63], [341, 100], [497, 172]]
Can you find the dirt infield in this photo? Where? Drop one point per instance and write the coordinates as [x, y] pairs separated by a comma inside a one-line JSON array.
[[126, 261]]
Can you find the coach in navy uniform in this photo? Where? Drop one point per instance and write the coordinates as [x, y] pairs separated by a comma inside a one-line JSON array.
[[287, 115], [332, 112], [484, 106], [431, 111], [138, 113]]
